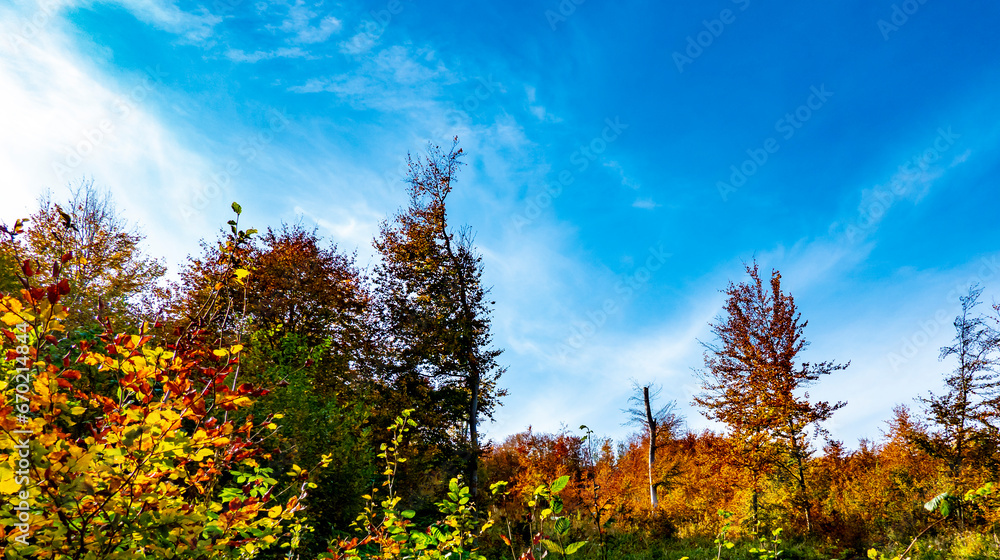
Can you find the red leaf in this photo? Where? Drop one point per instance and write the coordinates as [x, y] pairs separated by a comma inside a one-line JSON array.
[[26, 268], [64, 287]]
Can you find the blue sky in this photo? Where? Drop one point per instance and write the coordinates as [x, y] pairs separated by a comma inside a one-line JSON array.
[[623, 160]]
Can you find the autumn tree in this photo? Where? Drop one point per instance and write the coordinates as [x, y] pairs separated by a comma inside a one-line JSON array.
[[657, 425], [298, 287], [308, 313], [156, 468], [211, 298], [108, 271], [964, 419], [435, 316], [751, 382], [9, 266]]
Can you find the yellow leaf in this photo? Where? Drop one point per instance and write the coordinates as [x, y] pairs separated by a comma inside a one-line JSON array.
[[81, 260], [220, 352], [203, 453], [77, 410], [274, 512], [10, 319], [272, 426], [8, 483], [235, 349]]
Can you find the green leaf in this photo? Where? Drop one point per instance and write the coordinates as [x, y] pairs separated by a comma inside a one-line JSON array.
[[936, 502], [237, 208], [559, 484], [408, 513], [552, 547], [571, 548], [562, 525]]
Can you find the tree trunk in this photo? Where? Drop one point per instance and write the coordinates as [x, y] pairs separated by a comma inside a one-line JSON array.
[[801, 476], [651, 424], [471, 361]]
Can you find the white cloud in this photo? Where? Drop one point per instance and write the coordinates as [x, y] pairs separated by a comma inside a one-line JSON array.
[[237, 55], [167, 16], [361, 42], [71, 121], [627, 181], [396, 79], [299, 23]]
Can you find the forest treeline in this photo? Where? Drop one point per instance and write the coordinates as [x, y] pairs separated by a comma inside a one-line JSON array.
[[276, 400]]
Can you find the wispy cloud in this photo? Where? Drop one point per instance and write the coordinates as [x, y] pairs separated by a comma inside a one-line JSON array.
[[627, 181], [237, 55], [299, 23], [194, 26], [73, 121], [398, 78]]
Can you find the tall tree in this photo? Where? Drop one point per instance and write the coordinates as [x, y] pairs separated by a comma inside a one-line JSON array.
[[964, 419], [436, 316], [108, 272], [657, 425], [751, 379], [298, 287]]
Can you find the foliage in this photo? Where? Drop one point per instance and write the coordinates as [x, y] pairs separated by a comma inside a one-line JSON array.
[[150, 471], [389, 531], [108, 274], [751, 378], [434, 317], [311, 425], [317, 294], [965, 418]]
